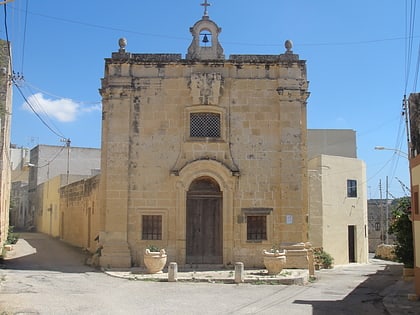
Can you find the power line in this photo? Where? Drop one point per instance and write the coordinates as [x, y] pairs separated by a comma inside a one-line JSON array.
[[24, 35], [130, 31], [35, 112], [40, 107], [58, 96], [410, 22]]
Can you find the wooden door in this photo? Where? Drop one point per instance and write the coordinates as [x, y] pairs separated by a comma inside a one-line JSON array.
[[204, 223], [351, 242]]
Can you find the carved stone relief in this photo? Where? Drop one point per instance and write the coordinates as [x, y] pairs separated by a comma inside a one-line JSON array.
[[206, 88]]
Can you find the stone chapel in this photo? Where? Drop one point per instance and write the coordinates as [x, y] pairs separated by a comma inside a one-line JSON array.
[[202, 155]]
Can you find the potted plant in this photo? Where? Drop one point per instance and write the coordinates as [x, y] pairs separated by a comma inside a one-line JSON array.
[[322, 259], [154, 259], [274, 260], [401, 227]]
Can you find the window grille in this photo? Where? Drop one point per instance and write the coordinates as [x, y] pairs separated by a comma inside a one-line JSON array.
[[152, 227], [351, 188], [256, 227], [205, 125]]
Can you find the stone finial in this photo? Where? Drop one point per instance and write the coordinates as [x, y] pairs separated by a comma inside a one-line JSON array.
[[123, 43], [288, 44]]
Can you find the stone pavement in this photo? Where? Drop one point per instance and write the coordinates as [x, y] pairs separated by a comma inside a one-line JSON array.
[[398, 298], [219, 275]]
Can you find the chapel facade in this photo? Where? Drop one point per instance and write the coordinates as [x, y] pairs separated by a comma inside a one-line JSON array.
[[204, 156]]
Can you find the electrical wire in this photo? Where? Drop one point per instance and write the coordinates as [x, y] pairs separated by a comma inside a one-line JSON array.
[[6, 30], [35, 112], [416, 75], [61, 97], [54, 157], [130, 31], [410, 22], [41, 108], [24, 35]]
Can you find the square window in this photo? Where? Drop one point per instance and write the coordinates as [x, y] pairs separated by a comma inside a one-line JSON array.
[[151, 227], [256, 227], [351, 188], [204, 125]]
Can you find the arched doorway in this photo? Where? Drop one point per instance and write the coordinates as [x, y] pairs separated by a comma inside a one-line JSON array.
[[204, 222]]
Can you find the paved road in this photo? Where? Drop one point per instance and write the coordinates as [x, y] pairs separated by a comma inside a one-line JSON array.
[[54, 280]]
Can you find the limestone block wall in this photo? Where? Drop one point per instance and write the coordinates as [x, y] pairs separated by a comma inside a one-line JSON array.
[[150, 159], [5, 116], [79, 221]]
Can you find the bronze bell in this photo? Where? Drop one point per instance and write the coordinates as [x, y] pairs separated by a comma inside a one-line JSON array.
[[205, 39]]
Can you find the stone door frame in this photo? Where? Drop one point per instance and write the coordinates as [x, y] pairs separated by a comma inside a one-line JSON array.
[[226, 181]]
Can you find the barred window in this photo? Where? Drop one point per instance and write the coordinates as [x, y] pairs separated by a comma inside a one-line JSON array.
[[151, 227], [256, 227], [205, 125]]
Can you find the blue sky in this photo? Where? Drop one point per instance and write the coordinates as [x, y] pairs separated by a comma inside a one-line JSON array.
[[361, 60]]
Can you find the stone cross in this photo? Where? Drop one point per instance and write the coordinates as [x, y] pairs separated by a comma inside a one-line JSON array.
[[205, 5]]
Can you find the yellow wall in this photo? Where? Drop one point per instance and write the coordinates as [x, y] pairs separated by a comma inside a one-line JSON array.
[[48, 220], [79, 213], [331, 211]]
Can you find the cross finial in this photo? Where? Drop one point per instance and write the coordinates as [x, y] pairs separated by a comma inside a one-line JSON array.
[[205, 5]]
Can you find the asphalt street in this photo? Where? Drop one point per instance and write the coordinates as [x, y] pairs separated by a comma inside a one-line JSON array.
[[53, 279]]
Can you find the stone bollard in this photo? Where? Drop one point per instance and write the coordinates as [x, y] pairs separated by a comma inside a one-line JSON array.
[[239, 272], [173, 272], [311, 265]]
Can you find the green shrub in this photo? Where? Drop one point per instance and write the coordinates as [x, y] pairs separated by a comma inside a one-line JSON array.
[[153, 248], [322, 258], [401, 226], [12, 237]]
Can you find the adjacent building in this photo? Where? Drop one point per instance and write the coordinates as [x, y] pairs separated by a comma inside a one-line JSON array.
[[414, 157], [379, 211], [19, 203], [5, 114], [337, 196], [50, 168]]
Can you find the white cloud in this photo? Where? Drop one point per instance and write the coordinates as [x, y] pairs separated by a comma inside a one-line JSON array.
[[63, 110]]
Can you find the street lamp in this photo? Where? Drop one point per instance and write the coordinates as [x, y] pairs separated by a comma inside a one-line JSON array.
[[397, 151]]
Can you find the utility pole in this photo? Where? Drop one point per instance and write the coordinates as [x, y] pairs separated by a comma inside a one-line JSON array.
[[407, 126], [68, 159], [386, 212], [67, 142], [381, 211]]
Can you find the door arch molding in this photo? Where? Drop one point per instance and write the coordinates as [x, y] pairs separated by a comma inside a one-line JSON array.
[[226, 181]]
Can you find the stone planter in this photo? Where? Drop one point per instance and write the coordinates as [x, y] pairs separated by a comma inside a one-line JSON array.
[[155, 261], [274, 262]]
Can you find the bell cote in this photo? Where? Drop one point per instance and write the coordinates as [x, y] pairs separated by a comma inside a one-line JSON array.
[[205, 43]]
